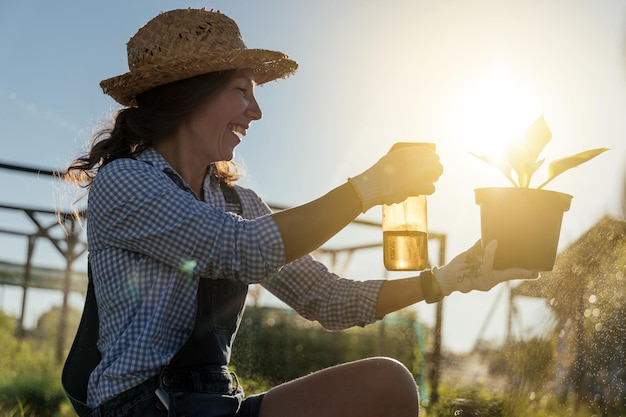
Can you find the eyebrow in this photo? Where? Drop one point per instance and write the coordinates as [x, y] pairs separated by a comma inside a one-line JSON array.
[[245, 78]]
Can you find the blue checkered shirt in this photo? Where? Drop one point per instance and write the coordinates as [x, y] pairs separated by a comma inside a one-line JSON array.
[[150, 240]]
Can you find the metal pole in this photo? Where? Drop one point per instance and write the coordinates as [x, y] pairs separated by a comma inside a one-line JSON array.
[[31, 247], [436, 368], [512, 312]]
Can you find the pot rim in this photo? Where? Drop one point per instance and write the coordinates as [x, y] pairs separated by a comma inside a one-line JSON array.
[[484, 193], [522, 190]]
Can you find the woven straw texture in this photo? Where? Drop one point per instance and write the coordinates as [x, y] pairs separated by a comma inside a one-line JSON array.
[[184, 43]]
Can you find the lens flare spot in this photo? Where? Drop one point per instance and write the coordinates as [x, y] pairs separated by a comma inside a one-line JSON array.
[[188, 266]]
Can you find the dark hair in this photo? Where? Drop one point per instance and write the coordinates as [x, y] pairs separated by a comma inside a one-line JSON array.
[[159, 113]]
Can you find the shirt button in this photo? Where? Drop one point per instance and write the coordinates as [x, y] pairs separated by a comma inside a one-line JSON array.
[[166, 380]]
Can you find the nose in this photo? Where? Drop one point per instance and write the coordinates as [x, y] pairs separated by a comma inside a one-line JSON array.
[[254, 110]]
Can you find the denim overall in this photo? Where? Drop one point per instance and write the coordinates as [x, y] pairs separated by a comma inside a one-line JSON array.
[[197, 378], [197, 381]]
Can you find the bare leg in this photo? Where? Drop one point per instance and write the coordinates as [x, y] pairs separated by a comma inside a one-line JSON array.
[[375, 387]]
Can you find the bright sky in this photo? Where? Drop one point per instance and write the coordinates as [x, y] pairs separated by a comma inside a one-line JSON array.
[[465, 75]]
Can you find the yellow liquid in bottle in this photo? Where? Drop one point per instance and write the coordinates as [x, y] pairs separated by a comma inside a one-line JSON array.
[[405, 250]]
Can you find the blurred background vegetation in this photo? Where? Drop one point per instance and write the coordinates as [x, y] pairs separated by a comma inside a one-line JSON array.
[[576, 369]]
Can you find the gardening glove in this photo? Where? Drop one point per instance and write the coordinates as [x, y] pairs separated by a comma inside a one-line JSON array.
[[470, 270], [403, 172]]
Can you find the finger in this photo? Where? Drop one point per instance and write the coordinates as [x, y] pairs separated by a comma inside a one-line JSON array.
[[421, 161], [425, 187], [526, 275], [519, 273], [430, 171], [412, 184], [490, 254]]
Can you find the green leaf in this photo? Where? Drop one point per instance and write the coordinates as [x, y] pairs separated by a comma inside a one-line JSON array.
[[499, 164], [559, 166], [529, 170], [519, 159], [536, 137]]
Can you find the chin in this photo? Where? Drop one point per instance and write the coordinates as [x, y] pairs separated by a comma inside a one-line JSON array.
[[228, 157], [229, 153]]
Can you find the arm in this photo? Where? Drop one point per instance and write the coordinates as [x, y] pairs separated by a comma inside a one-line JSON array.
[[397, 294], [470, 270], [400, 173], [307, 227], [311, 289]]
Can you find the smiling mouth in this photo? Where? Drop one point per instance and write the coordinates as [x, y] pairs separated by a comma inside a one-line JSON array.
[[238, 130]]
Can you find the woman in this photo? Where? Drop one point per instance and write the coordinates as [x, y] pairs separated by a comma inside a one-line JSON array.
[[173, 243]]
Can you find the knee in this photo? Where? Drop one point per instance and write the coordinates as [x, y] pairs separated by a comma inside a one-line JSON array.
[[394, 377], [391, 367], [394, 386]]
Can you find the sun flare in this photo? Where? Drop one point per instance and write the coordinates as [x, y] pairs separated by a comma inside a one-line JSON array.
[[493, 111]]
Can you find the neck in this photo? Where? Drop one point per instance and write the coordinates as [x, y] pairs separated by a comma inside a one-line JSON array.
[[191, 169]]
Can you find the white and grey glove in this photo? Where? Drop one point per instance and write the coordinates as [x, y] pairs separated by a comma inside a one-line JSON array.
[[403, 172], [468, 271]]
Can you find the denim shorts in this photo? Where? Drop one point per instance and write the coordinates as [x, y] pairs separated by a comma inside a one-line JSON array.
[[141, 401]]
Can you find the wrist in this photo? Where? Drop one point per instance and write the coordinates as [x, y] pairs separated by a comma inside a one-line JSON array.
[[368, 190], [446, 283], [430, 287]]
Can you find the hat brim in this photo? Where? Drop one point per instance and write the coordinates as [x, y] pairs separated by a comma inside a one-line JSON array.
[[267, 66]]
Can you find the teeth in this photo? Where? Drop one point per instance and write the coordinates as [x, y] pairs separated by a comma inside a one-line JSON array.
[[238, 130]]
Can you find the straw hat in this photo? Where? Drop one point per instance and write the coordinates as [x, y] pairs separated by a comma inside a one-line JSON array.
[[184, 43]]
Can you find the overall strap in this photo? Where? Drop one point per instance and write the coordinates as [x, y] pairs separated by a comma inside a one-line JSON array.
[[84, 355], [233, 202], [219, 303]]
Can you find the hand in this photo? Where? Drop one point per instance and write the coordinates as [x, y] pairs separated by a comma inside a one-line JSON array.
[[403, 172], [473, 270]]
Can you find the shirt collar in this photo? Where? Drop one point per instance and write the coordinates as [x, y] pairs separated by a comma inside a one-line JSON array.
[[154, 158]]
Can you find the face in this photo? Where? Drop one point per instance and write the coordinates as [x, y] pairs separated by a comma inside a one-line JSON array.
[[218, 126]]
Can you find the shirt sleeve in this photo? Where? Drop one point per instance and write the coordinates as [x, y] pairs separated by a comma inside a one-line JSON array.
[[307, 286], [337, 303], [134, 206]]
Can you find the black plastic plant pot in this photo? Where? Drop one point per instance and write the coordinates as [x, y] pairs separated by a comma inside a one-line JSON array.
[[526, 222]]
